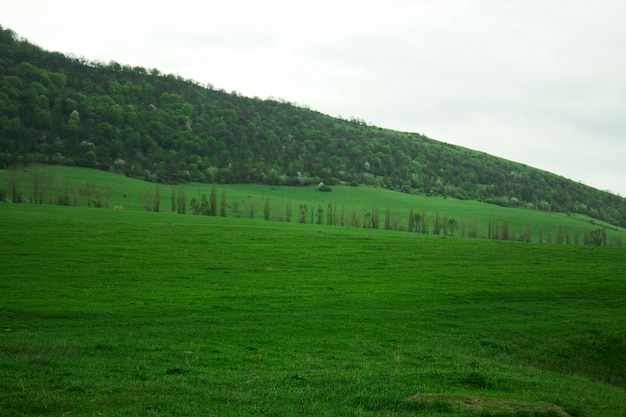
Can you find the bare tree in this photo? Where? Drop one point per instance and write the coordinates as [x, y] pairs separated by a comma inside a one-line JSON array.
[[156, 207], [14, 179], [527, 236], [396, 219], [288, 213], [146, 200], [375, 218], [506, 229], [252, 206], [88, 191], [213, 201], [355, 218], [173, 201], [387, 219], [436, 225], [181, 201]]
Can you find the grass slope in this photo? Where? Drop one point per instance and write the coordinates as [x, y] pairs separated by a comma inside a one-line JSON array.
[[127, 193], [125, 313]]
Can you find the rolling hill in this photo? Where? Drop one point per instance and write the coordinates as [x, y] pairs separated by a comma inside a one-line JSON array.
[[139, 122]]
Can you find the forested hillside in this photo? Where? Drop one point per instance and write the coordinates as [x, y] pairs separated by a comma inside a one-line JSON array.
[[139, 122]]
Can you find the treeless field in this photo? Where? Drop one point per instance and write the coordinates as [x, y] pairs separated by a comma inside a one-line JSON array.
[[130, 313]]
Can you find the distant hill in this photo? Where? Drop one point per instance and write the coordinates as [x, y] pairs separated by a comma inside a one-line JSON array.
[[145, 124]]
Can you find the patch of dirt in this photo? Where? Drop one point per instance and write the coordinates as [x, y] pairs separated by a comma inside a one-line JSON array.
[[489, 404]]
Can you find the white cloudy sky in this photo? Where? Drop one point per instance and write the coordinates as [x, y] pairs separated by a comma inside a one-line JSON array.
[[542, 82]]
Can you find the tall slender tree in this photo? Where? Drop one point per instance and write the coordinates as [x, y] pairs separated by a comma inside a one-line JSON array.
[[506, 232], [223, 205], [527, 236], [181, 201], [387, 218], [156, 207], [173, 202], [411, 225], [436, 225], [375, 218], [213, 200], [320, 213], [266, 209], [288, 212]]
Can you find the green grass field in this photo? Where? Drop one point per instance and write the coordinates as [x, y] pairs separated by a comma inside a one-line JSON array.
[[130, 313]]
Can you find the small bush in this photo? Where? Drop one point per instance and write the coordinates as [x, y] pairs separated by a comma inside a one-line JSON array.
[[476, 379], [324, 188]]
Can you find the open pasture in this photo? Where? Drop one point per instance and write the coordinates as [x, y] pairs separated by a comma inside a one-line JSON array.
[[128, 313]]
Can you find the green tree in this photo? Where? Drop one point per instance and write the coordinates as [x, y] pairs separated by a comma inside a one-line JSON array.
[[452, 226], [195, 206], [91, 160], [302, 211], [266, 209], [204, 206], [288, 213]]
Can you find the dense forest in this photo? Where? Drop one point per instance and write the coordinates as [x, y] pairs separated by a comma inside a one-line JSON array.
[[139, 122]]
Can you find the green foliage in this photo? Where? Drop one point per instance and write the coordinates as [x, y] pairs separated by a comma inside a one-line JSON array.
[[166, 129]]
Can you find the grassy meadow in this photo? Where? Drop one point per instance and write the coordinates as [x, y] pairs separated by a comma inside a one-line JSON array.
[[135, 313]]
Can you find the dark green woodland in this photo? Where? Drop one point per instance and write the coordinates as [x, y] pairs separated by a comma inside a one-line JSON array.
[[58, 109]]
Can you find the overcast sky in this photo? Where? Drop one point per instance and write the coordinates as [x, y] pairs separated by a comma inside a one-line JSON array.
[[542, 82]]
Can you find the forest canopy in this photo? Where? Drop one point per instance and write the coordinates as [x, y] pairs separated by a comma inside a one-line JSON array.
[[139, 122]]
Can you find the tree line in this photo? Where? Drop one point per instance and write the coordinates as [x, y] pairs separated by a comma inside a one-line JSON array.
[[416, 221], [47, 189]]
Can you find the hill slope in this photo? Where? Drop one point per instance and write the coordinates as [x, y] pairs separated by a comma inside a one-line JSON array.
[[141, 123]]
